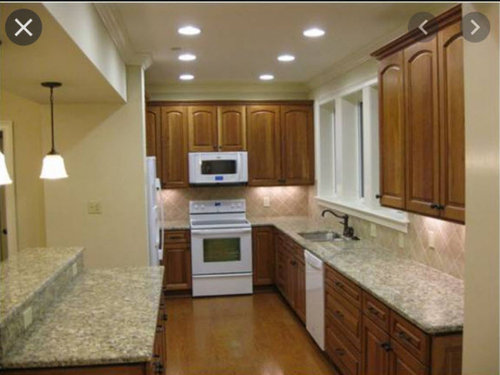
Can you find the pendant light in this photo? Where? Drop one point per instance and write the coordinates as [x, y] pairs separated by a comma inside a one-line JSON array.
[[53, 164], [4, 173]]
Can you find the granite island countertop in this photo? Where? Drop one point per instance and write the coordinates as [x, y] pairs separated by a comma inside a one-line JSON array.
[[432, 300], [23, 274], [107, 316]]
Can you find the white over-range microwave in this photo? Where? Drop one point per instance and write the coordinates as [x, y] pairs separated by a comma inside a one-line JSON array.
[[208, 168]]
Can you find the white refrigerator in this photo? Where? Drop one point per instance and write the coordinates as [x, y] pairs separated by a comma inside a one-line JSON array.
[[155, 213]]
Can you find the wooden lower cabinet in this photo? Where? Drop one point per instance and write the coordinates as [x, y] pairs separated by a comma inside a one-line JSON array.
[[290, 273], [403, 363], [263, 255], [177, 260], [376, 349]]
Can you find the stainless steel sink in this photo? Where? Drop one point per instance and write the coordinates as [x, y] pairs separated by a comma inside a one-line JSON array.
[[324, 236]]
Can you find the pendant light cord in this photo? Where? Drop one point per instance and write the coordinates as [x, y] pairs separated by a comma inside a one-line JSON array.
[[52, 151]]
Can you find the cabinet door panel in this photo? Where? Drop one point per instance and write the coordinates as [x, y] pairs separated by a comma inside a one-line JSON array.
[[392, 131], [264, 145], [232, 128], [178, 268], [174, 146], [263, 255], [202, 128], [281, 265], [403, 363], [298, 144], [451, 86], [422, 127], [153, 118], [376, 357], [300, 293]]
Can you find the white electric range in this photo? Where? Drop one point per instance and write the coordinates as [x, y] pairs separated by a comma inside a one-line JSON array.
[[221, 248]]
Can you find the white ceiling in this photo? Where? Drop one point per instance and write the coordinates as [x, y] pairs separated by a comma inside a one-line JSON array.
[[53, 57], [240, 41]]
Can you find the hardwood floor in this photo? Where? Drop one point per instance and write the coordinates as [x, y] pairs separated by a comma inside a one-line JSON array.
[[244, 335]]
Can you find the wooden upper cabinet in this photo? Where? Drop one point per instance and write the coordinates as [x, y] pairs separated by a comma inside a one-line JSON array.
[[153, 119], [298, 144], [451, 100], [202, 123], [174, 147], [422, 127], [232, 135], [264, 145], [392, 131]]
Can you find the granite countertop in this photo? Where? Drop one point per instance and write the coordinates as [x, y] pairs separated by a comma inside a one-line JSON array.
[[106, 317], [28, 271], [432, 300]]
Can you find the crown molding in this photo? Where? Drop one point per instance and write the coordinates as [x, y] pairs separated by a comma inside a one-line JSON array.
[[363, 54], [117, 31]]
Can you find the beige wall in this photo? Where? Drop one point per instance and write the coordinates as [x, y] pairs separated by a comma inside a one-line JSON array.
[[28, 154], [104, 147], [481, 335]]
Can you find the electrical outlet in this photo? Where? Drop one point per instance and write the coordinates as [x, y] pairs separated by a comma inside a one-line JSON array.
[[267, 202], [94, 208], [373, 230], [431, 236], [74, 269], [27, 317], [401, 240]]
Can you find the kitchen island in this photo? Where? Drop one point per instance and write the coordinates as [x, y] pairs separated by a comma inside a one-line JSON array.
[[108, 321]]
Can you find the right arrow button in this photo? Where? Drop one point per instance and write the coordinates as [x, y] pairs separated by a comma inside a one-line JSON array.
[[475, 27]]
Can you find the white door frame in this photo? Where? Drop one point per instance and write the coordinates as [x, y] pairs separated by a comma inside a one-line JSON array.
[[10, 190]]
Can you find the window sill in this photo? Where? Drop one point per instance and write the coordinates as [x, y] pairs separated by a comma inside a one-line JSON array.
[[395, 220]]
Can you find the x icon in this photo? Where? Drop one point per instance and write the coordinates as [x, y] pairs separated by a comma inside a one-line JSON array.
[[24, 27]]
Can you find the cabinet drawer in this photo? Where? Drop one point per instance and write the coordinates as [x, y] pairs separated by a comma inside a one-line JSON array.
[[376, 311], [176, 236], [346, 317], [340, 285], [410, 337], [342, 353]]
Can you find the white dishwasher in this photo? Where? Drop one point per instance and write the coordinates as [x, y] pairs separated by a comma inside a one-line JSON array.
[[315, 298]]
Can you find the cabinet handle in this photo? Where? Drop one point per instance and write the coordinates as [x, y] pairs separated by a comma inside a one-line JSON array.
[[386, 346], [378, 196], [175, 237], [404, 336], [293, 263], [435, 206], [281, 180], [339, 284], [373, 310], [339, 314], [165, 317], [340, 352], [441, 207]]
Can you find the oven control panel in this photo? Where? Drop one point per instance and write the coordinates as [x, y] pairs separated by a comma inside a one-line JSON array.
[[217, 206]]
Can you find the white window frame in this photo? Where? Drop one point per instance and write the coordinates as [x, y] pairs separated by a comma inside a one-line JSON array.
[[330, 193]]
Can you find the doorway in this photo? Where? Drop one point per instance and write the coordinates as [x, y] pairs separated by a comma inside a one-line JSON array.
[[8, 217]]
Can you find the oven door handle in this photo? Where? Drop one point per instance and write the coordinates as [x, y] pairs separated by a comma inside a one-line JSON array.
[[220, 231]]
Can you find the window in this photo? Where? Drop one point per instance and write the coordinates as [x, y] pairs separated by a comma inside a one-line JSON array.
[[348, 155]]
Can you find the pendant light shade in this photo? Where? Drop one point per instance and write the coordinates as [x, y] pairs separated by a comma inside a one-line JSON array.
[[53, 164], [4, 173]]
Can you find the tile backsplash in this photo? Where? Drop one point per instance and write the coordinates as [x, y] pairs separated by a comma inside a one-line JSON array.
[[447, 256], [284, 200]]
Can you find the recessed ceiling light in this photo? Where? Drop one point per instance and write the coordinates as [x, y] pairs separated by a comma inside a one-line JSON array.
[[186, 77], [314, 32], [286, 58], [189, 30], [187, 57], [266, 77]]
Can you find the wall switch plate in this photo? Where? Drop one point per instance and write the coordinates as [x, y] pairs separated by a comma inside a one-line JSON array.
[[431, 236], [373, 230], [401, 240], [74, 269], [267, 202], [94, 208], [28, 317]]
